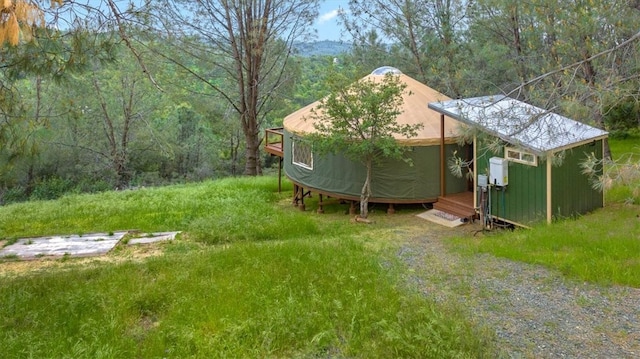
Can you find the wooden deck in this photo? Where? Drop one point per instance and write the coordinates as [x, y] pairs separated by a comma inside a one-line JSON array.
[[459, 204], [273, 139]]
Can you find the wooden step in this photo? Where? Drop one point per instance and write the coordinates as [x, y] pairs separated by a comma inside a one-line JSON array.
[[458, 206]]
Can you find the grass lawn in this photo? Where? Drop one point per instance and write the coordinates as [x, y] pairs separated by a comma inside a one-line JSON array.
[[624, 147], [251, 277]]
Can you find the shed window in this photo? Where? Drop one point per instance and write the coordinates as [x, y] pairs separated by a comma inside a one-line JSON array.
[[520, 156], [301, 154]]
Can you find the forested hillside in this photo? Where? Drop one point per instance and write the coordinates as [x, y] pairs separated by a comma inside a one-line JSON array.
[[163, 92], [322, 48]]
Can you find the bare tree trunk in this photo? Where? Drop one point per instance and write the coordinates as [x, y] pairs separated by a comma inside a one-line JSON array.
[[365, 194], [252, 149]]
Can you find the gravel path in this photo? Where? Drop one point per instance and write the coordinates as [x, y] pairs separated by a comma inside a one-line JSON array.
[[534, 311]]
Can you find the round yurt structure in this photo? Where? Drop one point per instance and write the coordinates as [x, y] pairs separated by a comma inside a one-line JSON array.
[[393, 181]]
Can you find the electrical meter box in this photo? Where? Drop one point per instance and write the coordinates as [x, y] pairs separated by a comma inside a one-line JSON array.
[[483, 181], [498, 171]]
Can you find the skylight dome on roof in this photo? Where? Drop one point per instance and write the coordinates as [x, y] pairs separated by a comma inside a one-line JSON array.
[[385, 70]]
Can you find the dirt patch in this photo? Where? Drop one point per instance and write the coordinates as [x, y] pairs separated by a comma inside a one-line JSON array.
[[15, 267]]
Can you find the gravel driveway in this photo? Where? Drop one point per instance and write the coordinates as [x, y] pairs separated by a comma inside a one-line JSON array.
[[535, 312]]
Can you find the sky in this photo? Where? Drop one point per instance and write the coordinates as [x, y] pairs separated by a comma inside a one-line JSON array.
[[327, 23]]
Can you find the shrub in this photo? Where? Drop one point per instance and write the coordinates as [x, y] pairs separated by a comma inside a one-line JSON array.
[[51, 188]]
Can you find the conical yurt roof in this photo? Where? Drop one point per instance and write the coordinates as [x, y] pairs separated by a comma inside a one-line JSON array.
[[416, 98]]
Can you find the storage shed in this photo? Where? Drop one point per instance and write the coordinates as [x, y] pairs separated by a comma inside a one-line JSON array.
[[394, 181], [535, 174]]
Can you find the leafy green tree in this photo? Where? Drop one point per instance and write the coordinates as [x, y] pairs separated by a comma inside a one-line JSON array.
[[358, 120]]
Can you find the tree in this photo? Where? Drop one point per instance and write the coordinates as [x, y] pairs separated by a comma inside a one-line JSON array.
[[369, 52], [250, 42], [358, 120], [424, 33], [576, 57]]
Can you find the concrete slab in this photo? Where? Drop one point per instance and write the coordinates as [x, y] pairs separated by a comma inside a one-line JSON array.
[[74, 245], [153, 237], [441, 218]]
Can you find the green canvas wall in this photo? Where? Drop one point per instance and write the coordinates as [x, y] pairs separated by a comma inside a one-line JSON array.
[[393, 180]]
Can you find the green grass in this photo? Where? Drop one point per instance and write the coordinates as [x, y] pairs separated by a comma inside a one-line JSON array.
[[312, 298], [602, 247], [626, 154], [216, 211], [252, 277], [623, 148]]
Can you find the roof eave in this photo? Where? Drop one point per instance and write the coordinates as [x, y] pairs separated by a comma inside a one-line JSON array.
[[537, 151]]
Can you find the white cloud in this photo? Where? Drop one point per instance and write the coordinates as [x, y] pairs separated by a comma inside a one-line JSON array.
[[328, 16]]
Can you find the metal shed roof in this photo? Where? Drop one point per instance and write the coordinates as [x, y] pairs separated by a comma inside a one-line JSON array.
[[519, 123]]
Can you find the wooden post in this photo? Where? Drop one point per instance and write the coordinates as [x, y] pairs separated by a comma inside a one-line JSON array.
[[352, 208], [549, 189], [443, 184], [320, 209], [301, 205], [280, 175], [391, 210]]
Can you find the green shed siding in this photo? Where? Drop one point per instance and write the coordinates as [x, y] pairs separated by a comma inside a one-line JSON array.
[[572, 192], [523, 200], [392, 179], [526, 194]]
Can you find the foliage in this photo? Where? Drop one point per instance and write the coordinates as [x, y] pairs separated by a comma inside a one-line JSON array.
[[127, 134], [623, 117], [358, 120], [324, 48], [424, 36], [20, 17], [619, 177]]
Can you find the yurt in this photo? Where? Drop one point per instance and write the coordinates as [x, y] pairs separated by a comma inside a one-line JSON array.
[[393, 181]]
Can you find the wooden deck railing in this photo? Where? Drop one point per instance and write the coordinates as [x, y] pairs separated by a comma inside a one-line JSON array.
[[273, 141]]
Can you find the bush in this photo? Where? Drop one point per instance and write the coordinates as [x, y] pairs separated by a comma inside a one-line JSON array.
[[51, 188], [13, 195], [622, 119], [87, 185]]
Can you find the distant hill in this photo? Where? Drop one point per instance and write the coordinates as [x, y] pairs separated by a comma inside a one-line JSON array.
[[321, 48]]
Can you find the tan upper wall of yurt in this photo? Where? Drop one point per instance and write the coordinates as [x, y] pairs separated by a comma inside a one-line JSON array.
[[415, 100]]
